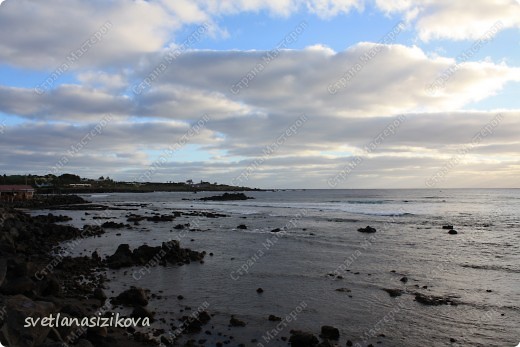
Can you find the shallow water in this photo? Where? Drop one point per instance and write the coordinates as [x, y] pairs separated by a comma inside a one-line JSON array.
[[320, 237]]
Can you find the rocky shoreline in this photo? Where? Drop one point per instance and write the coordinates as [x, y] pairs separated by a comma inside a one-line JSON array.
[[36, 281]]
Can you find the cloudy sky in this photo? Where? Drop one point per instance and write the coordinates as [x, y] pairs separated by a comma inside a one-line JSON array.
[[271, 94]]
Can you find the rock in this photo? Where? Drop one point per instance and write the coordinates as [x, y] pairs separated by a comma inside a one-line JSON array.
[[20, 285], [121, 258], [227, 197], [49, 286], [84, 343], [99, 294], [179, 227], [329, 332], [349, 343], [302, 339], [394, 292], [204, 317], [432, 300], [18, 308], [404, 279], [274, 318], [448, 227], [112, 225], [141, 312], [259, 290], [242, 226], [3, 270], [95, 256], [453, 340], [343, 290], [453, 232], [132, 297], [234, 322], [368, 229], [277, 230]]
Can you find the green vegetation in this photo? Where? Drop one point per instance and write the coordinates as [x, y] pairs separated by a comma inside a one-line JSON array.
[[69, 183]]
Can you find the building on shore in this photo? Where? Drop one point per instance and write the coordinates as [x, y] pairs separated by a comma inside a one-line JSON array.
[[16, 192]]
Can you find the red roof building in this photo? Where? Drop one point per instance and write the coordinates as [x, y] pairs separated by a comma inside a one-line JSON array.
[[16, 192]]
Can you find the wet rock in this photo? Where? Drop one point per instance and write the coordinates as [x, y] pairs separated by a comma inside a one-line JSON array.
[[3, 270], [432, 300], [121, 258], [329, 332], [18, 308], [161, 218], [368, 229], [227, 197], [302, 339], [112, 225], [453, 232], [141, 312], [274, 318], [394, 292], [99, 294], [20, 285], [235, 322], [132, 297], [343, 290]]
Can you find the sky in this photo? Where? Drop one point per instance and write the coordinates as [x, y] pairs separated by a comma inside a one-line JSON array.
[[268, 94]]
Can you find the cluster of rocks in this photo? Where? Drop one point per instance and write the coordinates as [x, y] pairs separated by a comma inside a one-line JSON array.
[[46, 201], [38, 279], [168, 252], [227, 197]]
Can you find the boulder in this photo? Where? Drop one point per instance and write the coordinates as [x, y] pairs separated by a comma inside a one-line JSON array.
[[99, 294], [368, 229], [3, 270], [234, 322], [18, 308], [132, 297], [141, 312], [274, 318], [20, 285], [432, 300], [329, 332], [393, 292], [121, 258], [302, 339]]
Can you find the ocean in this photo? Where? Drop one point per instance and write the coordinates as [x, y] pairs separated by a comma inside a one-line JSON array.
[[320, 270]]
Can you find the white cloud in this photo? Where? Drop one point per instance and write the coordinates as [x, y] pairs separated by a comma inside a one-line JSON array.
[[456, 20]]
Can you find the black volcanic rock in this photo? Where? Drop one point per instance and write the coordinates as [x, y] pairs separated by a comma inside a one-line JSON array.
[[227, 197], [368, 229]]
